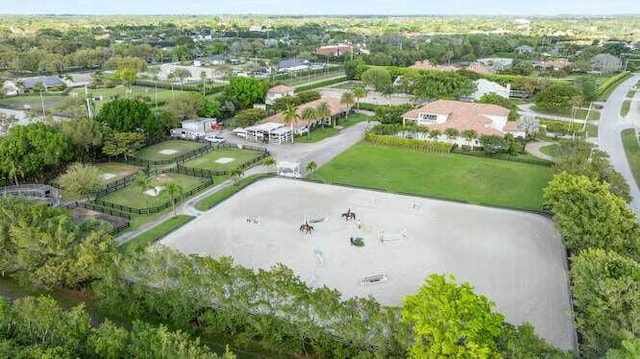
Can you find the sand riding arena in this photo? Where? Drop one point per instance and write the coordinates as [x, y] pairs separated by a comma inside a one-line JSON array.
[[514, 258]]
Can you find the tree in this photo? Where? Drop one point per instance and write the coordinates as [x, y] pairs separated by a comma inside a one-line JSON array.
[[155, 71], [606, 290], [143, 182], [495, 99], [236, 173], [290, 116], [33, 152], [40, 88], [127, 75], [451, 133], [245, 91], [249, 117], [376, 77], [309, 114], [529, 124], [359, 92], [81, 179], [122, 143], [450, 320], [311, 166], [323, 111], [559, 97], [630, 349], [348, 100], [443, 85], [84, 135], [174, 190], [308, 96], [181, 74], [269, 162], [281, 103], [128, 115], [191, 105], [469, 135], [493, 144], [588, 215], [203, 81]]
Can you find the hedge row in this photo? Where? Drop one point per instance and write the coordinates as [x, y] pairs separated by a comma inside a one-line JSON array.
[[503, 156], [396, 141], [611, 83], [209, 90], [321, 84]]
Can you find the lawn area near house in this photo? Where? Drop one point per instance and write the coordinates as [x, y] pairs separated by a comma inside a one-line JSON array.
[[113, 171], [167, 150], [457, 177], [632, 150], [148, 93], [320, 133], [155, 195], [222, 159], [550, 150], [31, 101]]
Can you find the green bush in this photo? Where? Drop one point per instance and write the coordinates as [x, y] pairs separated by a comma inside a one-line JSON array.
[[606, 87]]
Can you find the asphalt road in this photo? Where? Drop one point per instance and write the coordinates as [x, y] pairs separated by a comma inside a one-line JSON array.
[[611, 124]]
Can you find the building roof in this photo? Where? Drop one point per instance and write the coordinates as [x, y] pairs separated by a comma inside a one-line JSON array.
[[47, 81], [334, 50], [281, 89], [334, 106], [291, 62], [484, 86], [462, 116]]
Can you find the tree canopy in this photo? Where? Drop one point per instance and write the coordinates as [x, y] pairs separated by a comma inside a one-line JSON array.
[[245, 91], [559, 97], [128, 115]]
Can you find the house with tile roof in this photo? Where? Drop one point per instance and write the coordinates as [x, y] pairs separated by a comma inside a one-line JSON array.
[[277, 92], [484, 119], [299, 125]]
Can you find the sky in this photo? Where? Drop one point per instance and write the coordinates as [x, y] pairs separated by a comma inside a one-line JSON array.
[[323, 7]]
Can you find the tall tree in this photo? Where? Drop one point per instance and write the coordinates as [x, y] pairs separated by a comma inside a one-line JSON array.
[[376, 77], [290, 116], [85, 137], [174, 190], [81, 179], [128, 115], [359, 93], [309, 114], [122, 143], [559, 97], [245, 91], [450, 320], [323, 111], [348, 100], [40, 89]]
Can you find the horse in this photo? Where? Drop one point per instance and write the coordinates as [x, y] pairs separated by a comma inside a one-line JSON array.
[[349, 215], [306, 228]]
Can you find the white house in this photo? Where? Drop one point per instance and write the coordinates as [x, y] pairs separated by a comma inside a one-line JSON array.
[[277, 92], [484, 87]]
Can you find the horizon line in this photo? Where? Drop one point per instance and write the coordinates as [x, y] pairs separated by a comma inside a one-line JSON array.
[[326, 15]]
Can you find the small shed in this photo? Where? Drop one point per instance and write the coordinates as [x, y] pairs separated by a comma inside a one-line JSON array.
[[203, 125]]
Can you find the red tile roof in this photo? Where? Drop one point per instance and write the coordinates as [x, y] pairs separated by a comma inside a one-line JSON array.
[[281, 89], [334, 106], [462, 116], [334, 50]]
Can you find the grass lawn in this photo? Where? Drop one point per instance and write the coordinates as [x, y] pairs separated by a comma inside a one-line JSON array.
[[632, 149], [156, 233], [152, 153], [631, 93], [213, 200], [626, 106], [320, 134], [472, 179], [120, 170], [19, 102], [121, 92], [580, 114], [550, 150], [208, 160], [348, 85], [133, 196]]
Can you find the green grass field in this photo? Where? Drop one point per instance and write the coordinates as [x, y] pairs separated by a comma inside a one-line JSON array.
[[632, 149], [458, 177], [134, 196], [152, 153], [156, 233], [550, 150], [626, 106], [320, 134], [120, 170], [33, 102], [208, 160]]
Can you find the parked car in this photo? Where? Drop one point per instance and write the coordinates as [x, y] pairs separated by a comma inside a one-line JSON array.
[[215, 139]]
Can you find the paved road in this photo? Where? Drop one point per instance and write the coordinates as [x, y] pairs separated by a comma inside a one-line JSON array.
[[534, 149], [525, 109], [611, 124], [320, 152]]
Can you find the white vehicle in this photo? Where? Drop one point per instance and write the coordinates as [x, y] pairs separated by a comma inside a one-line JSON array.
[[215, 138]]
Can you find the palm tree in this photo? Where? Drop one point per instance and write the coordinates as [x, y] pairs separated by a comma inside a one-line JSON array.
[[323, 111], [347, 99], [311, 166], [174, 190], [434, 134], [155, 71], [236, 173], [171, 77], [359, 92], [469, 135], [143, 182], [269, 162], [290, 115], [203, 78], [451, 133], [40, 88], [309, 114]]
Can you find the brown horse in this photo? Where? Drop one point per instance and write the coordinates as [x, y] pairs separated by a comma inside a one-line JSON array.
[[349, 215], [306, 228]]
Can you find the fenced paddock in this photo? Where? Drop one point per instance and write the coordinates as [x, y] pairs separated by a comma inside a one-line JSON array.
[[514, 258]]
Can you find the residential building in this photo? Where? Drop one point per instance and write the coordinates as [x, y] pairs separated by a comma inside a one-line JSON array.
[[300, 125], [334, 50], [606, 63], [27, 84], [484, 119], [78, 80], [277, 92], [484, 87], [556, 65]]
